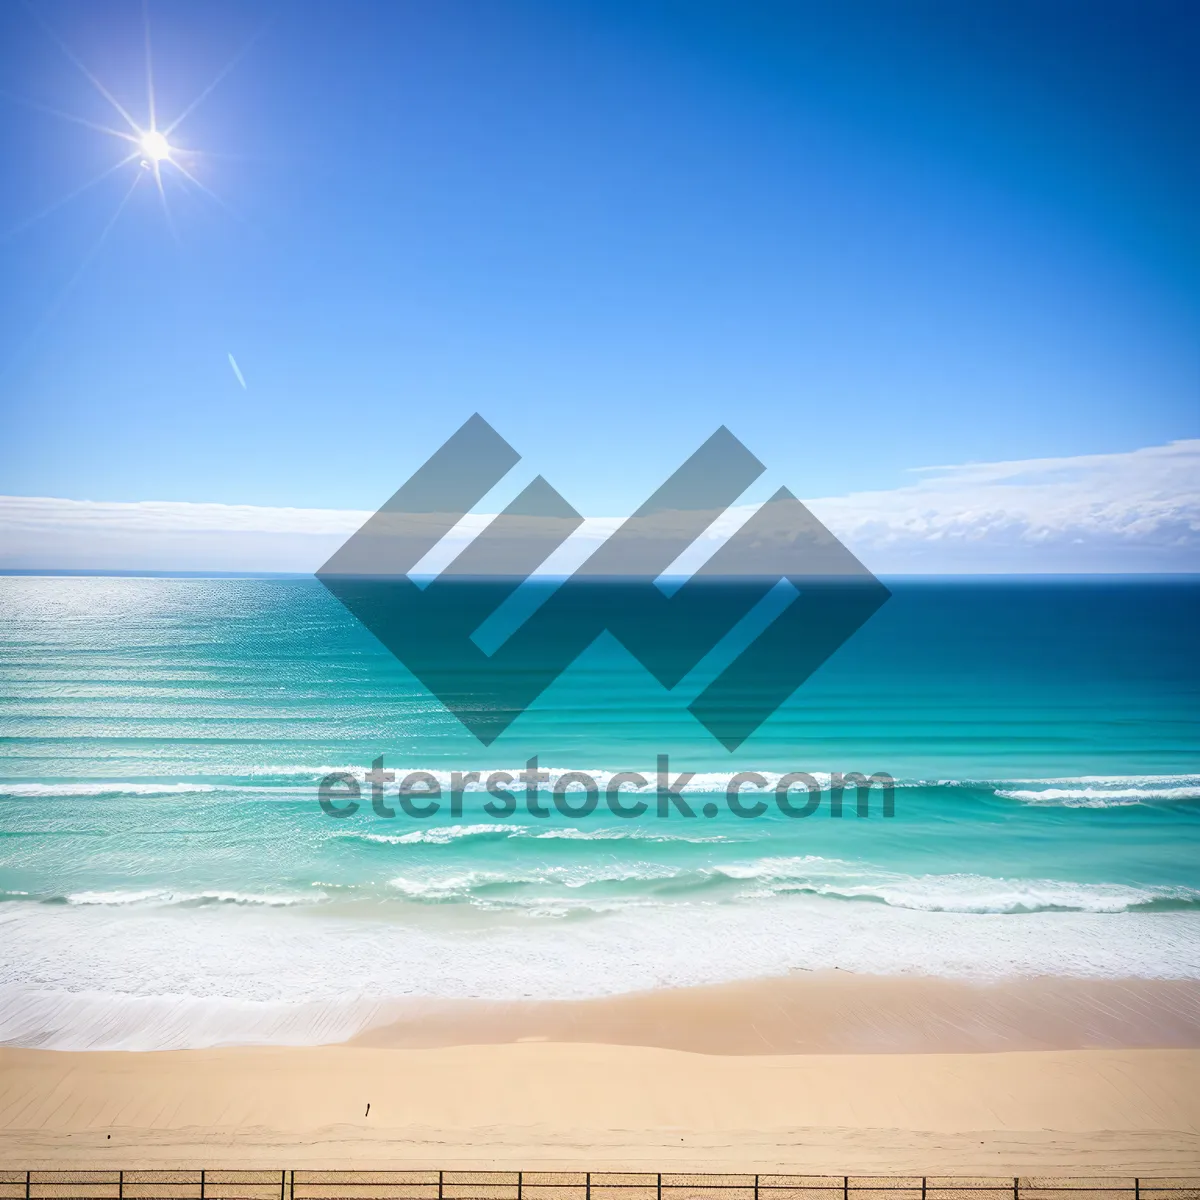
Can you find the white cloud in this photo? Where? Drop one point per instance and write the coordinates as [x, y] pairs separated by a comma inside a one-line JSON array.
[[162, 535], [1134, 511]]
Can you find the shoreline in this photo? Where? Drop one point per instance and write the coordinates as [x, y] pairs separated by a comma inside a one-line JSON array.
[[91, 977], [803, 1012]]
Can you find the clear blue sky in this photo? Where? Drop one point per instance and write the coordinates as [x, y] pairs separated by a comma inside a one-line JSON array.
[[866, 236]]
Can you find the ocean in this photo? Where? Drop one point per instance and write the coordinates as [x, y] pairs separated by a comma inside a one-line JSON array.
[[168, 877]]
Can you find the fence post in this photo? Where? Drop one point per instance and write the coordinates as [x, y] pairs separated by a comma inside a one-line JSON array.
[[756, 1188], [520, 1185], [202, 1184], [27, 1177], [121, 1185], [440, 1174], [845, 1187]]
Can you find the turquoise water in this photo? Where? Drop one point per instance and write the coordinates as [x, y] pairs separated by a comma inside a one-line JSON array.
[[162, 851]]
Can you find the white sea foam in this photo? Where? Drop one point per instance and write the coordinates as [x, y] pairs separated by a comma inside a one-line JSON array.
[[701, 781], [951, 893], [437, 836], [105, 788], [164, 897], [607, 884], [573, 833], [105, 1021], [447, 834], [251, 770], [1084, 791], [1099, 797], [1113, 780], [468, 885], [553, 890], [960, 893]]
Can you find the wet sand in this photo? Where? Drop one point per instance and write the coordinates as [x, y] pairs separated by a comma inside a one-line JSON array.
[[822, 1013]]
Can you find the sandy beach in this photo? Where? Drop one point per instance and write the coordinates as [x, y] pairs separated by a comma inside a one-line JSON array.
[[568, 1086], [544, 1107], [825, 1012]]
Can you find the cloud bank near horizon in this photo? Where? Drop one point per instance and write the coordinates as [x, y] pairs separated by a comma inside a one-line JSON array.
[[1136, 511]]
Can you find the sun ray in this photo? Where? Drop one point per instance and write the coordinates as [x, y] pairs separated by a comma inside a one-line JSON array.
[[225, 156], [83, 187], [65, 116], [195, 104], [149, 65], [49, 31]]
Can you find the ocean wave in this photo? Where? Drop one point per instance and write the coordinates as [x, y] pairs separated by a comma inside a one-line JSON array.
[[548, 889], [437, 836], [106, 788], [1076, 791], [1098, 797], [443, 835], [293, 771], [284, 782], [166, 898], [574, 833], [1112, 780], [493, 889], [951, 893], [702, 782], [600, 887]]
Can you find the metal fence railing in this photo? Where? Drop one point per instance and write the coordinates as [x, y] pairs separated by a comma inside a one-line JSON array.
[[572, 1185]]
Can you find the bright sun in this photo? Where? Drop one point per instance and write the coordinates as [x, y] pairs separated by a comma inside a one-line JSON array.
[[149, 151], [155, 146]]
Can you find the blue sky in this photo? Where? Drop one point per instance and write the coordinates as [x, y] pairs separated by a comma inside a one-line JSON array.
[[869, 237]]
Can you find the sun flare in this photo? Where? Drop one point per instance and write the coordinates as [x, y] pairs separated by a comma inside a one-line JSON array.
[[155, 146], [149, 153]]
